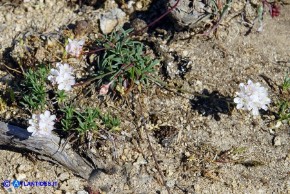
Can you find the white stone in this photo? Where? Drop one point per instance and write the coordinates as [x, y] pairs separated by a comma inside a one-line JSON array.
[[18, 28], [37, 175], [82, 192], [185, 53], [24, 168], [278, 124], [172, 69], [277, 141], [63, 176], [139, 5], [170, 183], [58, 192], [130, 4], [140, 161], [20, 176], [74, 183], [112, 19]]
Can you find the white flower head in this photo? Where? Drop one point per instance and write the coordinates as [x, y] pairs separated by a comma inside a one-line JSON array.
[[33, 122], [52, 77], [66, 82], [62, 76], [74, 47], [41, 125], [252, 97]]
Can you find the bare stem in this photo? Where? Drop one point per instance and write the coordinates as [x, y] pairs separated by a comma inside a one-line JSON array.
[[95, 51], [160, 17], [155, 159]]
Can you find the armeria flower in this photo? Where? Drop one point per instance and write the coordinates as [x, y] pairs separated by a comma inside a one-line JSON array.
[[252, 97], [74, 47], [41, 125], [66, 82], [33, 122], [63, 76]]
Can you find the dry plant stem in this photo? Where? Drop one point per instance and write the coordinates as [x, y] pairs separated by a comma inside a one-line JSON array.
[[158, 19], [100, 49], [12, 69], [155, 160], [94, 51], [48, 149], [90, 80], [268, 4], [207, 33]]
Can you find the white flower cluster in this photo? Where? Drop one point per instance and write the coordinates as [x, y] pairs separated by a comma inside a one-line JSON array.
[[74, 47], [41, 125], [252, 97], [63, 76]]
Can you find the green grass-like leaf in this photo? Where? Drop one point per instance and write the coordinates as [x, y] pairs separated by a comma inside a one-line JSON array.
[[123, 61], [286, 83], [34, 85]]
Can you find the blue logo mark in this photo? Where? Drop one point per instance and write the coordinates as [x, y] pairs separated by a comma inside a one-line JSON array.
[[6, 183], [16, 183]]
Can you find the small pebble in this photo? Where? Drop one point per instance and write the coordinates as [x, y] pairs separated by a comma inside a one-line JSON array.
[[82, 192], [23, 168], [139, 5], [187, 154], [278, 124], [82, 27], [185, 53], [18, 28], [63, 176], [58, 192], [140, 161], [277, 141], [20, 176], [111, 19], [170, 183]]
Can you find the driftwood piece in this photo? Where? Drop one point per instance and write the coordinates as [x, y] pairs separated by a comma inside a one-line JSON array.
[[51, 149]]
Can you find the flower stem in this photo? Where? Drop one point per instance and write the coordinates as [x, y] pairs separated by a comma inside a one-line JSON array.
[[95, 51], [160, 17]]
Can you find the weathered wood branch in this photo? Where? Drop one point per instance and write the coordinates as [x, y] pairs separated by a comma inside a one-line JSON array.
[[52, 149]]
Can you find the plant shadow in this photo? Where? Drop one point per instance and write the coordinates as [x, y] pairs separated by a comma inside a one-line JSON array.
[[211, 104]]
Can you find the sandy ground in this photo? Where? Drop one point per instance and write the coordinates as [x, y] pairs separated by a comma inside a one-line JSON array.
[[205, 149]]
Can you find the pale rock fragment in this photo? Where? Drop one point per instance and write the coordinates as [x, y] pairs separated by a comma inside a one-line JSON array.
[[20, 176], [277, 141], [114, 18]]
